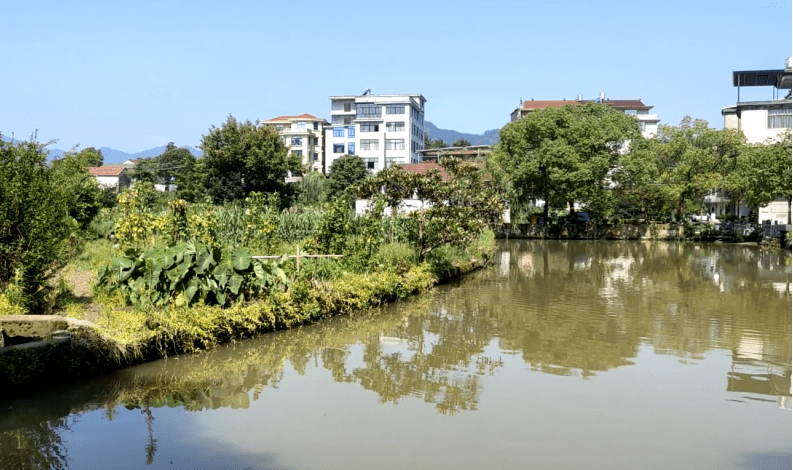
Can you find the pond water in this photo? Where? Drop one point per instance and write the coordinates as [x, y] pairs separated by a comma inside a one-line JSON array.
[[578, 354]]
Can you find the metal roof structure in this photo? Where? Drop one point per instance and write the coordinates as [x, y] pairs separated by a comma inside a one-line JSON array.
[[775, 78]]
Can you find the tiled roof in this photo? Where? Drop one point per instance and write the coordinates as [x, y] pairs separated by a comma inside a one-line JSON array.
[[108, 170], [422, 168], [286, 118], [545, 104], [629, 104]]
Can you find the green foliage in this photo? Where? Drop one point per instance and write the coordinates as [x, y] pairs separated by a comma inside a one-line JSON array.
[[241, 158], [81, 191], [313, 189], [675, 170], [433, 144], [763, 172], [564, 155], [34, 220], [188, 273], [461, 143], [347, 174]]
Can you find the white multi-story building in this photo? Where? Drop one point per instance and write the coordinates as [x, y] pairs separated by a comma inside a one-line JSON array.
[[381, 129], [648, 122], [304, 136]]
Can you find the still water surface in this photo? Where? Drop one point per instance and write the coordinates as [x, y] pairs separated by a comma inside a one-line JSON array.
[[561, 355]]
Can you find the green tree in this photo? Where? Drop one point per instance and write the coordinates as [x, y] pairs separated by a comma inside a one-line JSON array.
[[564, 155], [433, 144], [82, 195], [347, 174], [461, 143], [91, 156], [34, 221], [313, 189], [174, 168], [763, 173], [674, 171], [240, 158]]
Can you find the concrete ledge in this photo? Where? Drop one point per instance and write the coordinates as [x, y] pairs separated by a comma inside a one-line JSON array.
[[32, 326]]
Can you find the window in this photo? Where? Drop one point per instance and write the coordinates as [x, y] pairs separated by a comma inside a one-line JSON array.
[[279, 127], [347, 107], [395, 126], [395, 109], [351, 148], [297, 141], [351, 132], [316, 156], [316, 140], [395, 144], [369, 110], [316, 126], [301, 126], [370, 144], [370, 127], [631, 112], [338, 148], [347, 120], [371, 163], [391, 161], [298, 153], [338, 132], [779, 118]]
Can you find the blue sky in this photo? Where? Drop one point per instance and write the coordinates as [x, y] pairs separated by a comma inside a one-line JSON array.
[[137, 75]]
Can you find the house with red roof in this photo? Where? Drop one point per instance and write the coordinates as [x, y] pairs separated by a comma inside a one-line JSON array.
[[304, 136], [111, 176], [649, 122]]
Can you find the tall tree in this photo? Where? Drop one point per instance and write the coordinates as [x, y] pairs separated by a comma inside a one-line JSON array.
[[240, 157], [347, 173], [763, 173], [433, 144], [564, 155], [461, 143], [674, 171]]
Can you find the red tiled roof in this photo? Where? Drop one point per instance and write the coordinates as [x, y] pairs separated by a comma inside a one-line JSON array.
[[545, 104], [106, 170], [422, 168], [286, 118]]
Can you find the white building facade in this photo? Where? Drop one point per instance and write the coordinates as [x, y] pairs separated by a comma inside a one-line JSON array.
[[383, 130], [304, 136]]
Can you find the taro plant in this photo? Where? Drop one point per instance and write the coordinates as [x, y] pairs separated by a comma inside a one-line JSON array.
[[189, 273]]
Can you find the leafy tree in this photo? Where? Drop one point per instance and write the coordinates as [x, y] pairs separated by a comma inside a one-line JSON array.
[[34, 221], [174, 168], [91, 156], [564, 155], [461, 143], [674, 171], [82, 195], [433, 144], [313, 189], [347, 173], [763, 173], [240, 158]]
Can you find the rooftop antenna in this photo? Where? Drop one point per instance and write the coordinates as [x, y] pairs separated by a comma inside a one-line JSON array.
[[367, 92]]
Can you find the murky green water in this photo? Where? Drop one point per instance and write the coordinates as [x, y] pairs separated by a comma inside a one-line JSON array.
[[562, 355]]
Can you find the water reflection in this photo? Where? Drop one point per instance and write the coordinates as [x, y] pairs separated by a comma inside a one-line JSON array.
[[574, 309]]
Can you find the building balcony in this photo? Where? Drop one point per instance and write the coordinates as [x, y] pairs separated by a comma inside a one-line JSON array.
[[647, 117]]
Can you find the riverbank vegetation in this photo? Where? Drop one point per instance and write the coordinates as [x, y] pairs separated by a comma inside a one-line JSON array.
[[157, 274]]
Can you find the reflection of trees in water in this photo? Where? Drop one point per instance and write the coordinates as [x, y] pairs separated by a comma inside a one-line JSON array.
[[39, 446]]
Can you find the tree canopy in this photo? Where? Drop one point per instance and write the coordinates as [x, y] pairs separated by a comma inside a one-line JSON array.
[[461, 143], [346, 174], [564, 155], [240, 158]]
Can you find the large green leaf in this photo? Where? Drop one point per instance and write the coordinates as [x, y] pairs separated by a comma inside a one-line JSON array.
[[235, 282], [241, 258], [192, 288], [222, 272], [204, 261], [122, 268]]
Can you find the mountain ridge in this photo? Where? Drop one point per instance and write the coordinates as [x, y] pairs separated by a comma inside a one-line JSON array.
[[450, 136]]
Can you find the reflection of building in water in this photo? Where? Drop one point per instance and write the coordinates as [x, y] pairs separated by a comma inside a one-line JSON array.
[[762, 368]]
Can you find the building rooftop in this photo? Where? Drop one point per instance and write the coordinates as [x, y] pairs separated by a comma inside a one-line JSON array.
[[287, 118], [620, 104], [422, 168], [108, 170]]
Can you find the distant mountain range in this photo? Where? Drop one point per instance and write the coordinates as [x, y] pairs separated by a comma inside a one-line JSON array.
[[117, 156], [449, 136]]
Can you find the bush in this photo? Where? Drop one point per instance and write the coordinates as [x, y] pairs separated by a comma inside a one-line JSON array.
[[34, 221]]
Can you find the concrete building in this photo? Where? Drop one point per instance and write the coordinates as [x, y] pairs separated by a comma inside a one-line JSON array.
[[111, 176], [304, 136], [649, 122], [761, 121], [381, 129]]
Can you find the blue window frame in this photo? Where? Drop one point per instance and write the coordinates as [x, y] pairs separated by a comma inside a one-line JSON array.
[[351, 148], [351, 131], [338, 148], [338, 132]]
